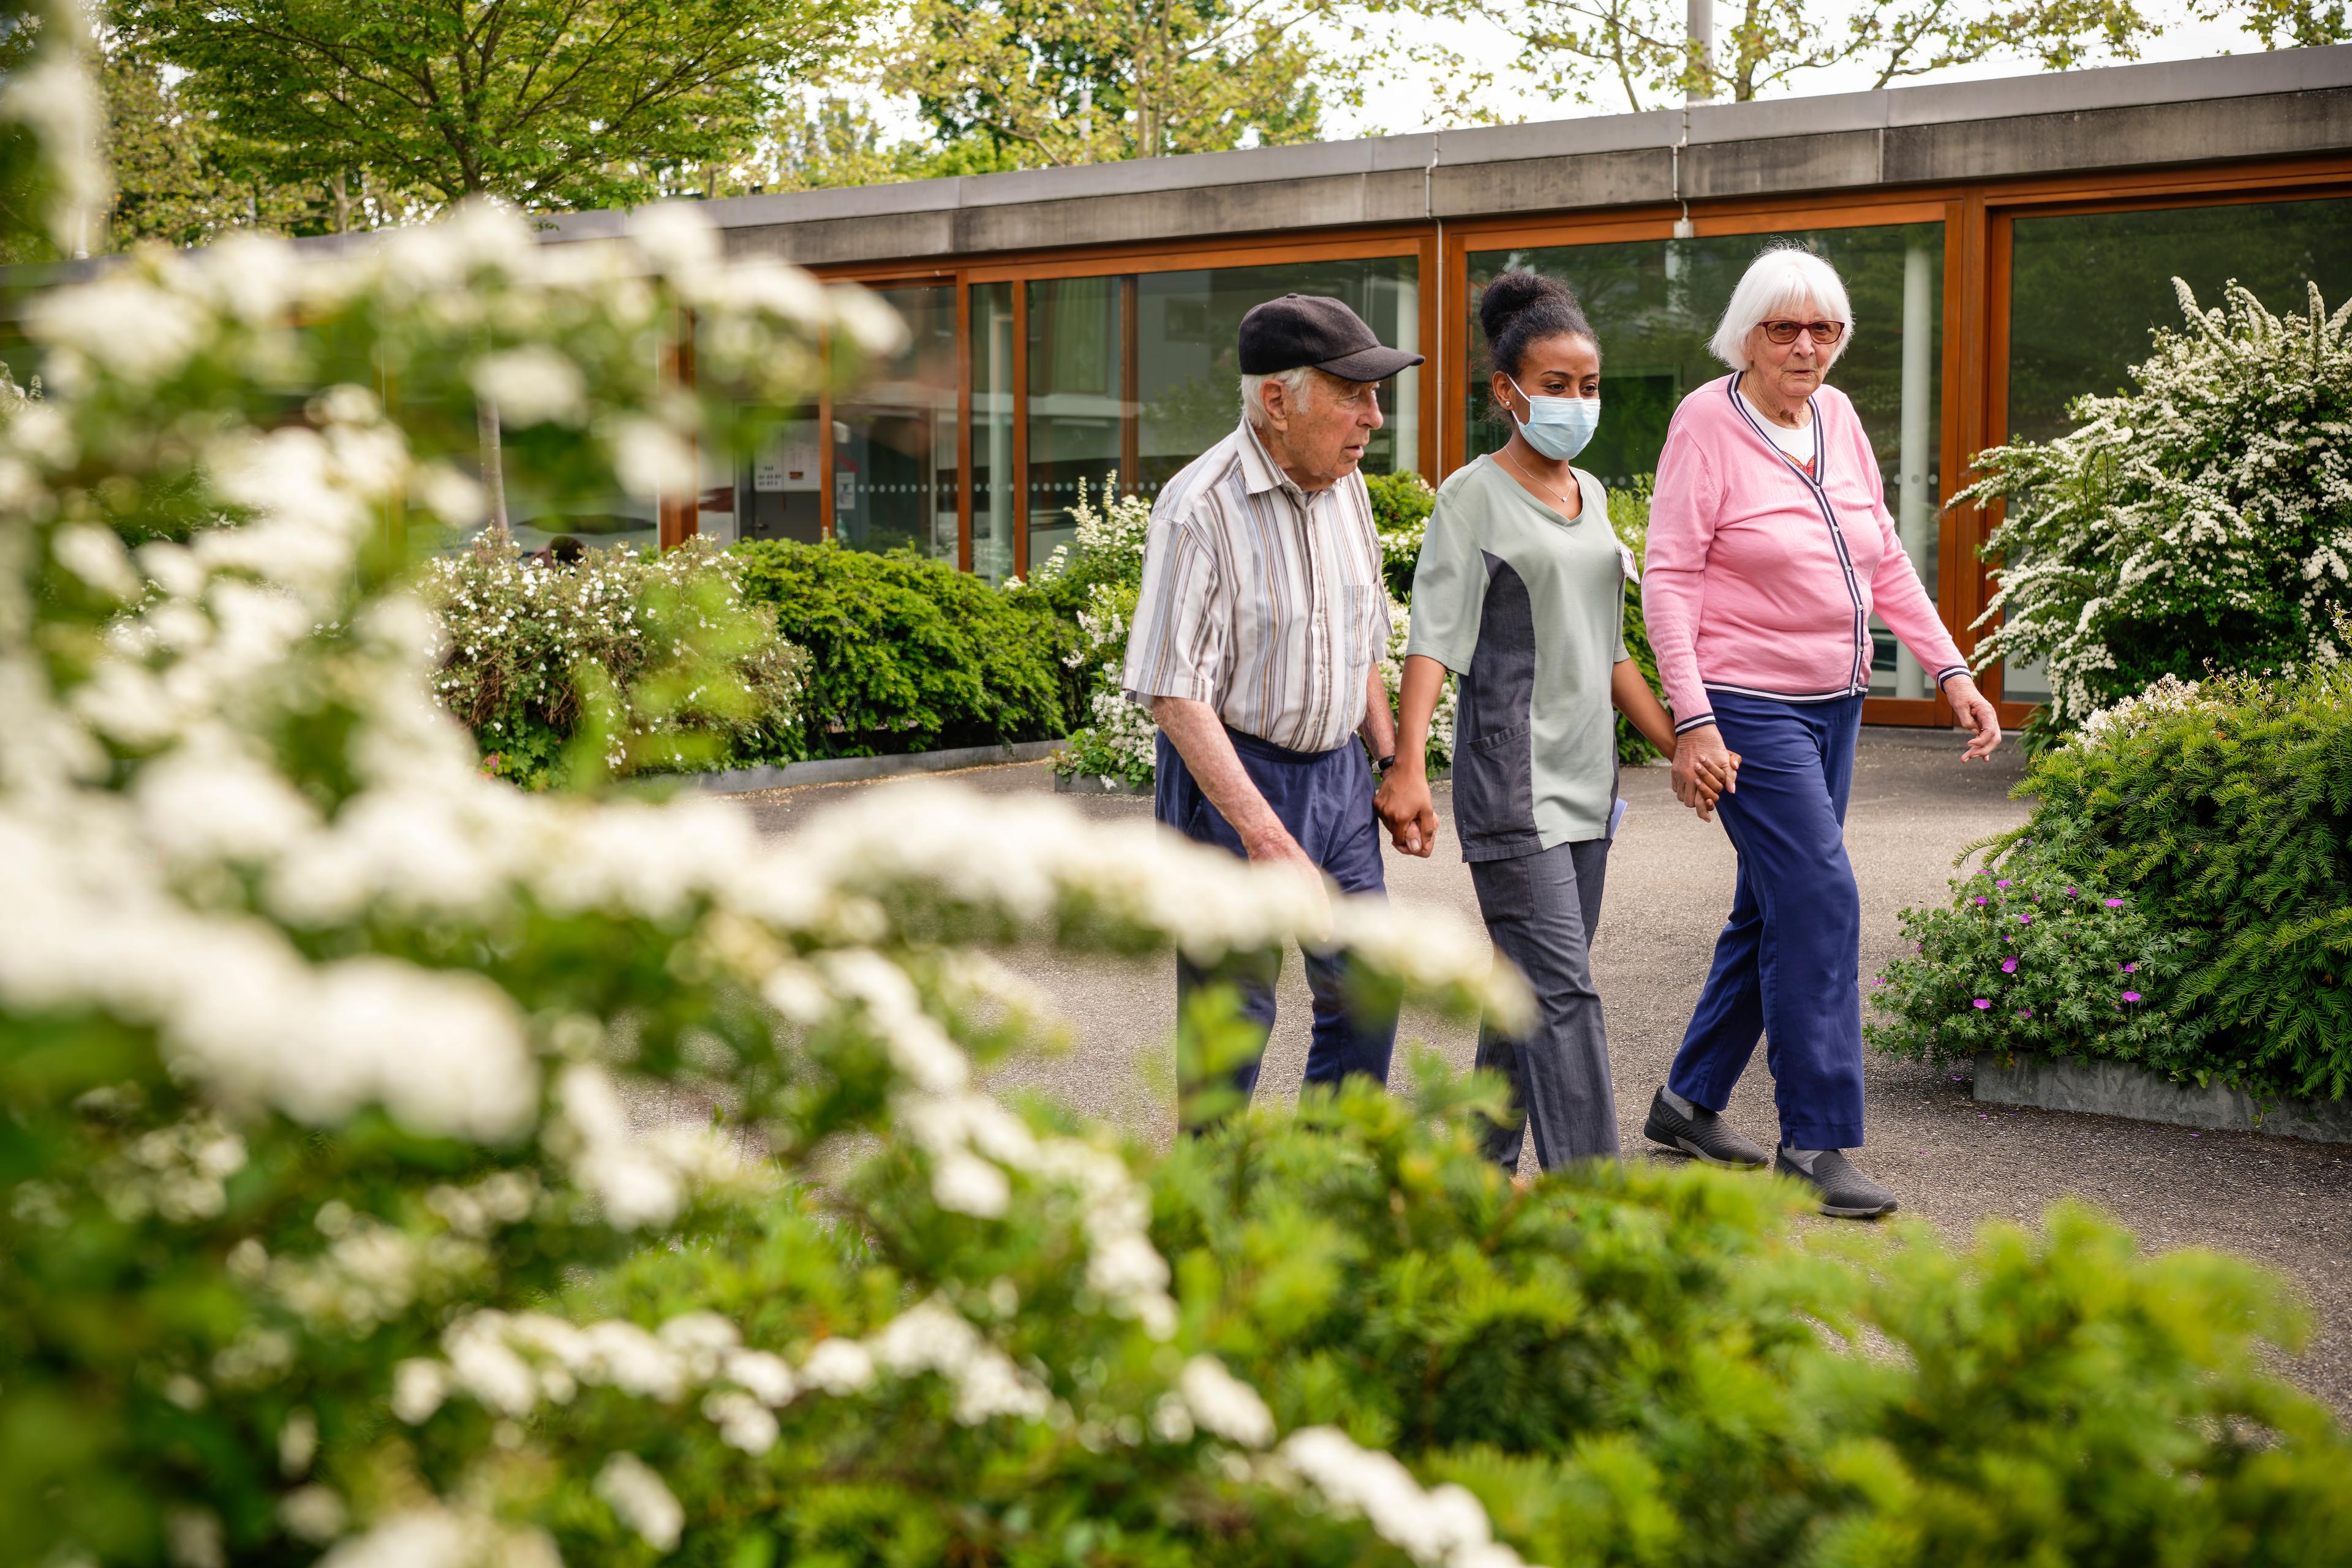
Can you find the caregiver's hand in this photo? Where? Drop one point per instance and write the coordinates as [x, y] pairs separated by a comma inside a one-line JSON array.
[[1704, 769]]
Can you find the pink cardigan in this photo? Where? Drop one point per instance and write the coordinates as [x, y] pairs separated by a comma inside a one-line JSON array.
[[1762, 583]]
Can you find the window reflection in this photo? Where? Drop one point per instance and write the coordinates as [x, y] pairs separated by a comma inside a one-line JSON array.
[[992, 498], [1655, 303], [1076, 413], [894, 444]]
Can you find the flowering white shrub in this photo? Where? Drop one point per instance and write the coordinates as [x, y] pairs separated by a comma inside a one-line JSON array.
[[2168, 697], [658, 654], [1107, 556], [319, 1046], [2202, 520]]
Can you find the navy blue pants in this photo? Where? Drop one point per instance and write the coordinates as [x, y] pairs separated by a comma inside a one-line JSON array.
[[1787, 964], [1325, 799]]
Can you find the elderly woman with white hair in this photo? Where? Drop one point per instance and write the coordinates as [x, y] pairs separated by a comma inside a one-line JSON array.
[[1770, 548]]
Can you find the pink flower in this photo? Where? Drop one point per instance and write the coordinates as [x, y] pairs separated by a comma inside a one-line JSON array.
[[1983, 1002], [1979, 898], [2025, 919], [2002, 883], [2025, 1012], [2114, 903], [2009, 966], [2131, 996], [2073, 892], [2131, 969]]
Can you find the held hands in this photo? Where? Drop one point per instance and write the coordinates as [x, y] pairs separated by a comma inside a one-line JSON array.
[[1973, 712], [1403, 804], [1704, 769]]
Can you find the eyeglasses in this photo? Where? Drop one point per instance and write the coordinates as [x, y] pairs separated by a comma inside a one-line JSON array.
[[1785, 333]]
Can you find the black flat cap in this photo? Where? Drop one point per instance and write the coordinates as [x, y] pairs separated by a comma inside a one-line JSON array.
[[1309, 328]]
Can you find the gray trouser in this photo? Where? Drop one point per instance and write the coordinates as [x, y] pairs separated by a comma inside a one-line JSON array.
[[1540, 910]]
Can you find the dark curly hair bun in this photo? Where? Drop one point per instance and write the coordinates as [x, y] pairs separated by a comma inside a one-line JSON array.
[[1522, 308]]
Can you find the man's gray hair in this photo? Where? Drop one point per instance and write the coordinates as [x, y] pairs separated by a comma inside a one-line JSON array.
[[1294, 383], [1781, 282]]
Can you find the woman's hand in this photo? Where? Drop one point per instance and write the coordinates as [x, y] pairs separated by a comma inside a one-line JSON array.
[[1404, 804], [1975, 711], [1704, 769]]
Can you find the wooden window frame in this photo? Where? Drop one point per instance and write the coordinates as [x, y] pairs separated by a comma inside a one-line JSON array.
[[1977, 217]]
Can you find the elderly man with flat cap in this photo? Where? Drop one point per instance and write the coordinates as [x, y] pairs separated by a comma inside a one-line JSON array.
[[1256, 644]]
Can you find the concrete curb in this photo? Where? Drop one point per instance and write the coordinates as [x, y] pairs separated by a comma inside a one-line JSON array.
[[1096, 783], [2119, 1089], [853, 770]]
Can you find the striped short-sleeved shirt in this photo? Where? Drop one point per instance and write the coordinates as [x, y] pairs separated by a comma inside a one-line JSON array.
[[1260, 599]]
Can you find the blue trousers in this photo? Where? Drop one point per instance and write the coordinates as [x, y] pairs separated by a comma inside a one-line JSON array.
[[1325, 799], [1787, 964]]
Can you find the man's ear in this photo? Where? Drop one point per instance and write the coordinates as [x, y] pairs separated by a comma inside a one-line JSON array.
[[1274, 398]]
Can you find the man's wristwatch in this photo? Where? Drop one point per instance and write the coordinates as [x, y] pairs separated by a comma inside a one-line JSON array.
[[1381, 765]]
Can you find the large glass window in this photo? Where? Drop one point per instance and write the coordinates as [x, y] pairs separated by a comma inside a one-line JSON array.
[[1136, 376], [1187, 324], [1655, 303], [992, 496], [2087, 290], [776, 493], [894, 444], [1077, 410]]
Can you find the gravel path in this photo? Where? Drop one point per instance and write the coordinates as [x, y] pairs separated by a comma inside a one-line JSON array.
[[1914, 805]]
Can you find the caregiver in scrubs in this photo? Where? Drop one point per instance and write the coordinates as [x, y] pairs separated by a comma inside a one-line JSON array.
[[1521, 593]]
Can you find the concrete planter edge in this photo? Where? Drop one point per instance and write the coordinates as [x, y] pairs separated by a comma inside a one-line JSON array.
[[2119, 1089], [853, 770]]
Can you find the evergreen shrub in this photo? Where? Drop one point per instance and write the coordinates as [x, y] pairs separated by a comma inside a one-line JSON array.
[[2221, 816], [909, 655], [2198, 522]]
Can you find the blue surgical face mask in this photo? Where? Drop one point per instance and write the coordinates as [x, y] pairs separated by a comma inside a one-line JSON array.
[[1559, 427]]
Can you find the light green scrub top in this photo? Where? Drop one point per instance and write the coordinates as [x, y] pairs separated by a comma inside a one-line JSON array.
[[1527, 607]]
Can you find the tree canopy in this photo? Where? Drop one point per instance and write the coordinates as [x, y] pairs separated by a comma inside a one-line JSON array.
[[546, 103]]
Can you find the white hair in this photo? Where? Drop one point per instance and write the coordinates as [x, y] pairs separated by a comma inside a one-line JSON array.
[[1293, 382], [1783, 282]]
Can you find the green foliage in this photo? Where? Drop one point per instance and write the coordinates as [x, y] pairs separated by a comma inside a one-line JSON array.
[[2027, 959], [2224, 816], [1095, 580], [1642, 1364], [542, 103], [1401, 503], [1629, 514], [909, 655], [619, 664], [2193, 523]]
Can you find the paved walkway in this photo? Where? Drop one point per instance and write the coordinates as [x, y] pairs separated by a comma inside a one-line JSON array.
[[2285, 1202]]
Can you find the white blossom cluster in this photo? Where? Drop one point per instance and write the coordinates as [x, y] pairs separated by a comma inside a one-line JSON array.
[[1440, 752], [516, 630], [163, 863], [2217, 493], [2168, 697]]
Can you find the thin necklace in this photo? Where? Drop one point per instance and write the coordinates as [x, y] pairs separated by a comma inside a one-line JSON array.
[[1506, 456]]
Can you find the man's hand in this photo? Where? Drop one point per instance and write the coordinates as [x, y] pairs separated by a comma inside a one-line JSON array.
[[1404, 804], [1704, 769], [1274, 846], [1975, 711]]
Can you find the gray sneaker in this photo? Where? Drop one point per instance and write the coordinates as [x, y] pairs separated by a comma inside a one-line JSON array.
[[1703, 1135], [1845, 1193]]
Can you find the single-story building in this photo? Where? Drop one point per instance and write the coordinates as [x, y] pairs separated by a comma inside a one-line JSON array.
[[2009, 246]]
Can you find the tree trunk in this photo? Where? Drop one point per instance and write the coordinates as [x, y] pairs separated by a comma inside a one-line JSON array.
[[342, 202], [494, 478]]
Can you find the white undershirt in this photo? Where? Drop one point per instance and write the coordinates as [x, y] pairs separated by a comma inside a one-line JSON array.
[[1797, 443]]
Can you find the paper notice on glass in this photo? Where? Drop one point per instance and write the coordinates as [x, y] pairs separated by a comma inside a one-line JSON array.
[[790, 461]]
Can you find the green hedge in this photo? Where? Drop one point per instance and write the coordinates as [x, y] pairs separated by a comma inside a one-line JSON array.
[[907, 655], [2219, 821], [1636, 1363]]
